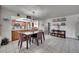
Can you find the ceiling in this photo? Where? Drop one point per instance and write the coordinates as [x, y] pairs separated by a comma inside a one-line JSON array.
[[43, 12]]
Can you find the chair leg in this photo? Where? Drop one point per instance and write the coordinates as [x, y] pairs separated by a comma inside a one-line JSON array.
[[18, 42], [21, 45], [37, 42], [41, 41], [30, 41], [43, 36]]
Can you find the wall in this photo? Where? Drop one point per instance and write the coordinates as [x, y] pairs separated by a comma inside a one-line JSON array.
[[0, 20], [36, 23], [70, 25], [6, 25], [0, 13], [40, 25], [77, 28], [0, 23]]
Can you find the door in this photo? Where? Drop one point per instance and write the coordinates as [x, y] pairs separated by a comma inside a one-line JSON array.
[[48, 28]]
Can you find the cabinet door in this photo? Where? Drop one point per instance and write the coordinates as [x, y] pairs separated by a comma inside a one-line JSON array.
[[14, 35]]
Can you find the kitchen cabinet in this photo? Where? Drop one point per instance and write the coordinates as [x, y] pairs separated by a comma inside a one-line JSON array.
[[15, 33]]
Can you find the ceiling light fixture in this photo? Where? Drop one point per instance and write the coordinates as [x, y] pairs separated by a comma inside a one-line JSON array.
[[33, 14]]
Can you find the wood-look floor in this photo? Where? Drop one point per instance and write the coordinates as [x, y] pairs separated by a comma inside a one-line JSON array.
[[50, 45]]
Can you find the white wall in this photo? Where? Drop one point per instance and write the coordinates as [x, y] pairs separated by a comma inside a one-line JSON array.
[[77, 28], [70, 25], [0, 22], [40, 22], [0, 14], [36, 23], [6, 25]]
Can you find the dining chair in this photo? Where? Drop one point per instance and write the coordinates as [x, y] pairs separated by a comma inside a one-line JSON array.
[[37, 37], [43, 35], [23, 38]]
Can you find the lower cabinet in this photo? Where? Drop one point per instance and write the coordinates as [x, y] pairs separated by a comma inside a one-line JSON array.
[[59, 33], [14, 35]]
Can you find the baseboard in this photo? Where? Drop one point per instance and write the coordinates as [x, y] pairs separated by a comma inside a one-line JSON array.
[[71, 38]]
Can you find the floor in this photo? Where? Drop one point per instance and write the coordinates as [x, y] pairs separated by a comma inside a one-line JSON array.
[[50, 45]]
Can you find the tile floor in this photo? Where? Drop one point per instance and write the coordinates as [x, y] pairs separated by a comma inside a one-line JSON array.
[[50, 45]]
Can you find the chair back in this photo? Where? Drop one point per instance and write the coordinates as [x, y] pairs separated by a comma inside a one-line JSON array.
[[39, 35], [22, 37]]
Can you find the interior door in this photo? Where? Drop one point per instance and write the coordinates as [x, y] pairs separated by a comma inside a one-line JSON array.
[[48, 28]]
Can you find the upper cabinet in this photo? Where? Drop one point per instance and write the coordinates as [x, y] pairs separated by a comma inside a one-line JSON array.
[[23, 23], [59, 19]]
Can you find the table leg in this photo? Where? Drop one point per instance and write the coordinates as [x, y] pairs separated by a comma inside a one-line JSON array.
[[27, 43]]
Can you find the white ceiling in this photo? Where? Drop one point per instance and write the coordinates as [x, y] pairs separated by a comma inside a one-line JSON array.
[[45, 11]]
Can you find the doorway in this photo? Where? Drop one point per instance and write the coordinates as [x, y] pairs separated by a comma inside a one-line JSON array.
[[48, 28]]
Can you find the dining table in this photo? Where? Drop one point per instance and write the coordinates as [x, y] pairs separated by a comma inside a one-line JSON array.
[[29, 34]]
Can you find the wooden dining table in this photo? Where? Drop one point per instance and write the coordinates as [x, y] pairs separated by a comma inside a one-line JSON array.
[[29, 34]]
